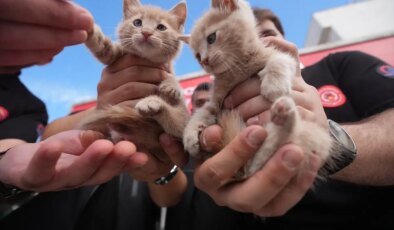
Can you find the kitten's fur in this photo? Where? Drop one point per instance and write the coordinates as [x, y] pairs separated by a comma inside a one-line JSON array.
[[234, 56], [140, 35]]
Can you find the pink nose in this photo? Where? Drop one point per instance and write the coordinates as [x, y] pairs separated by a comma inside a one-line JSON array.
[[205, 61], [146, 34]]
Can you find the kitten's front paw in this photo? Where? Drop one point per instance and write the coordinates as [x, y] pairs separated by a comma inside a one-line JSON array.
[[149, 106], [191, 141], [169, 91], [283, 110], [273, 92]]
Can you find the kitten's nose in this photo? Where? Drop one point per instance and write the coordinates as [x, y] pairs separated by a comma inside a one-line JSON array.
[[205, 61], [146, 34]]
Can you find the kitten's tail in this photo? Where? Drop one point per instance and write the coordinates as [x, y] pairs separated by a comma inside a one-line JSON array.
[[102, 47], [122, 119]]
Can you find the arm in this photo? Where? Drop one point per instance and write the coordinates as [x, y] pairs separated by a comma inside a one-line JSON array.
[[375, 159]]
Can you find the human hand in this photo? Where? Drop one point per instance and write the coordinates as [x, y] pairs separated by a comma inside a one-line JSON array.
[[129, 79], [33, 32], [66, 160], [146, 167], [271, 191]]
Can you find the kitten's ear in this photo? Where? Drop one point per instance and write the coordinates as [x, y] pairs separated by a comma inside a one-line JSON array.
[[180, 11], [226, 6], [185, 38], [129, 4]]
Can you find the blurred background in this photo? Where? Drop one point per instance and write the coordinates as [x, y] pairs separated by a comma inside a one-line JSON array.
[[317, 27]]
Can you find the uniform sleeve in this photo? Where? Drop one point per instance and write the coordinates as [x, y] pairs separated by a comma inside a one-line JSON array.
[[367, 81], [26, 127]]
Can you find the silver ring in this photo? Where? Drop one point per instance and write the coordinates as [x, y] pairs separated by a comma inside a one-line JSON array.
[[166, 179]]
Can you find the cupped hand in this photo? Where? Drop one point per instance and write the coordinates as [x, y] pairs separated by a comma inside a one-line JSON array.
[[66, 160], [271, 191]]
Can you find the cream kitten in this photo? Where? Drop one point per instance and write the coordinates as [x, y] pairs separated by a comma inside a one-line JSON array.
[[226, 43], [151, 33]]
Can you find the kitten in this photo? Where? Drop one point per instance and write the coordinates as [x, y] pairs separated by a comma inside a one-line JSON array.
[[225, 41], [151, 33]]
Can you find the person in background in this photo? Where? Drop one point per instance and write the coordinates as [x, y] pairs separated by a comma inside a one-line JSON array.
[[200, 95]]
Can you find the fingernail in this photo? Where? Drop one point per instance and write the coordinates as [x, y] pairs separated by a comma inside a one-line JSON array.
[[255, 137], [228, 103], [292, 159], [79, 36], [204, 142], [85, 21], [253, 121]]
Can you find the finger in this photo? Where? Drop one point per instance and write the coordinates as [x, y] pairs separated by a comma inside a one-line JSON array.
[[131, 74], [57, 14], [260, 119], [299, 84], [82, 169], [75, 141], [131, 60], [114, 163], [13, 37], [219, 169], [242, 92], [253, 107], [127, 92], [21, 58], [211, 139], [174, 149], [265, 184], [151, 170], [41, 168], [306, 115], [293, 192], [301, 99]]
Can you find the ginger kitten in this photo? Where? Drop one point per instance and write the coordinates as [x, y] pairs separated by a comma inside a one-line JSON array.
[[151, 33], [225, 41]]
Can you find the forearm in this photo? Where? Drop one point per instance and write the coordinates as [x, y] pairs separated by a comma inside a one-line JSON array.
[[375, 157], [65, 123], [171, 193]]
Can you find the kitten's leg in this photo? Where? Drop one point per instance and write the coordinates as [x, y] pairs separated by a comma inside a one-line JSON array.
[[172, 118], [102, 47], [277, 75], [284, 118], [203, 118], [170, 90]]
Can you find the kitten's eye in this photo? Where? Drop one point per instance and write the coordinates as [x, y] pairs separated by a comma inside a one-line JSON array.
[[137, 22], [211, 38], [161, 27]]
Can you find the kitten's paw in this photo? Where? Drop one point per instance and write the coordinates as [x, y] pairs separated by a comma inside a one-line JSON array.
[[149, 106], [167, 90], [191, 141], [282, 110], [272, 92]]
